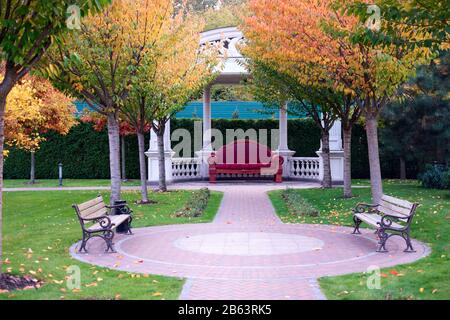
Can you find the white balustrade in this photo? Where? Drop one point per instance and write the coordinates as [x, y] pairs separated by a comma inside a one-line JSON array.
[[186, 168], [304, 168]]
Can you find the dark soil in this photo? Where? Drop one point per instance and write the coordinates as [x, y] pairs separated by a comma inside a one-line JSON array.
[[10, 282]]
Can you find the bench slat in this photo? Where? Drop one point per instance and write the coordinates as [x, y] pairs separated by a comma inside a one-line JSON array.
[[400, 210], [86, 213], [97, 214], [90, 203], [391, 212], [373, 219], [398, 202]]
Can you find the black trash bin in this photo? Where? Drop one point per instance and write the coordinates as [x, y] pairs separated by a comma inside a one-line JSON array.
[[120, 207]]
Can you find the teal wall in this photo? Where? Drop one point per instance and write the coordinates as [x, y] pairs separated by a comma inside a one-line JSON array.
[[248, 110]]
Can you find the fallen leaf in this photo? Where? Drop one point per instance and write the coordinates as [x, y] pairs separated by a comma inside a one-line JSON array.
[[93, 284], [393, 272], [157, 294]]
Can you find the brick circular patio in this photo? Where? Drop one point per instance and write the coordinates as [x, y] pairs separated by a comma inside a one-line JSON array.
[[329, 251], [247, 253]]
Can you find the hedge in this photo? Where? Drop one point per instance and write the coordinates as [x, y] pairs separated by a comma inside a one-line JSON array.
[[84, 152]]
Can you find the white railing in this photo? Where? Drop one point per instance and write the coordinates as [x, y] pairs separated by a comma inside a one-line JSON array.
[[304, 168], [186, 168]]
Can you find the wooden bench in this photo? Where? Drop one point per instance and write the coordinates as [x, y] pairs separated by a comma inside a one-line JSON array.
[[96, 221], [243, 157], [390, 217]]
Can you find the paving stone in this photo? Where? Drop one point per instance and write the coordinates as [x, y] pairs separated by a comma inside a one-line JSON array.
[[246, 252]]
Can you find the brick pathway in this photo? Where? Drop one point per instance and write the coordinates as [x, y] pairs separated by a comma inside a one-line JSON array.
[[247, 253]]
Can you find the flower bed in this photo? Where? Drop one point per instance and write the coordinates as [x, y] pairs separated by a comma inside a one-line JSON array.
[[196, 205]]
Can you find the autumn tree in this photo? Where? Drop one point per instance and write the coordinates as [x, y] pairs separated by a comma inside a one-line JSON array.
[[34, 107], [27, 29], [314, 34], [424, 22], [275, 89], [97, 64], [172, 71], [138, 110]]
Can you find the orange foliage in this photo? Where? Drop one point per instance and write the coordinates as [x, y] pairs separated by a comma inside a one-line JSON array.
[[34, 107]]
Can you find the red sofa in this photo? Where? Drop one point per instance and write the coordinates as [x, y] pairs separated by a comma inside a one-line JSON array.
[[245, 157]]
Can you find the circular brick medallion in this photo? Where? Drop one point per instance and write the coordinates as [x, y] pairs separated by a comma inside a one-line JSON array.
[[248, 243]]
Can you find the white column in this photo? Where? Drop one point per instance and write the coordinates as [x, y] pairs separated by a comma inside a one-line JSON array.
[[205, 153], [153, 156], [283, 149], [336, 154], [207, 119], [283, 128]]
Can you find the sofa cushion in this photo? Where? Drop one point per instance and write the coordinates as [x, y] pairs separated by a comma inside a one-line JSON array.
[[242, 166]]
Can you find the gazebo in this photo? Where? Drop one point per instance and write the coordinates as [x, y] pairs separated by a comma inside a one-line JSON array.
[[233, 72]]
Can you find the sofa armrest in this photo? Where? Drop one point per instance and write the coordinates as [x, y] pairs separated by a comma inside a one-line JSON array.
[[275, 158], [212, 161]]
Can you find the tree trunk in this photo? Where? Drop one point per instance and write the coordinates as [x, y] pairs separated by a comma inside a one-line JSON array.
[[374, 158], [2, 139], [161, 158], [5, 88], [142, 167], [122, 160], [402, 169], [33, 168], [114, 156], [347, 162], [326, 182]]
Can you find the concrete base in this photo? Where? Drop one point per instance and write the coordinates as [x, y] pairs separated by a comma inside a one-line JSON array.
[[337, 165], [153, 165]]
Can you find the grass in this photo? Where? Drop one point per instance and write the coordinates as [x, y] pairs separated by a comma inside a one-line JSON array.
[[22, 183], [428, 278], [39, 228]]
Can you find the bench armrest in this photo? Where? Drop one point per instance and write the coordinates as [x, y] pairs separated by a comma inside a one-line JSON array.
[[365, 207], [104, 221], [387, 220]]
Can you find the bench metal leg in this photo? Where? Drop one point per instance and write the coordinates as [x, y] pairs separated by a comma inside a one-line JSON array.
[[108, 236], [83, 243], [383, 238], [129, 226], [357, 224], [409, 247]]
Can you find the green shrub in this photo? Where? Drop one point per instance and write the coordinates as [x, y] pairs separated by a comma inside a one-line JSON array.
[[84, 152], [446, 179], [435, 176], [196, 205], [297, 205]]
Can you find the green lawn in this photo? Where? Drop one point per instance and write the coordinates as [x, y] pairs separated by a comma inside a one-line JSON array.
[[21, 183], [428, 278], [39, 228]]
